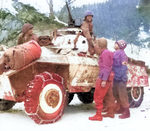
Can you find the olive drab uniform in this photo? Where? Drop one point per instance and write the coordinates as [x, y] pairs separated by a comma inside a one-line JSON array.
[[87, 28], [22, 40], [87, 31], [21, 37]]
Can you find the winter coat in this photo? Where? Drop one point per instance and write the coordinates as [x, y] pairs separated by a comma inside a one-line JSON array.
[[119, 69], [87, 28], [22, 40], [105, 64]]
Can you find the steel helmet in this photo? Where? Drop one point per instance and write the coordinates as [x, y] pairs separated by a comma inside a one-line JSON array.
[[88, 12], [26, 27], [122, 44]]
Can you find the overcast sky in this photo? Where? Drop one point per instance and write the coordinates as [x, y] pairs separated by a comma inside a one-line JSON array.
[[42, 5]]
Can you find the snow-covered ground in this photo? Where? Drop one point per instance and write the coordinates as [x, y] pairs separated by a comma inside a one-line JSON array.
[[75, 118], [76, 115]]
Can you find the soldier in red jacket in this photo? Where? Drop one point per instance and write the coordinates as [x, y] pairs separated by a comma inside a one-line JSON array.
[[103, 85]]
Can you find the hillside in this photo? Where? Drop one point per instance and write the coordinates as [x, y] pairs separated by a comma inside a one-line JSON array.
[[11, 24]]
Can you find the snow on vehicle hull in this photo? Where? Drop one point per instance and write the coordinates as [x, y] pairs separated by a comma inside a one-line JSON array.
[[137, 75], [5, 88], [82, 71]]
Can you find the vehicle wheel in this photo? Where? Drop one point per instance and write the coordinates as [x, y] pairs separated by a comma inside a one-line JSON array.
[[70, 97], [45, 98], [86, 97], [6, 104], [135, 95]]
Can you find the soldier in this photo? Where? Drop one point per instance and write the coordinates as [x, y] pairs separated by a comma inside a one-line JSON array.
[[26, 34], [103, 85], [87, 28], [119, 84]]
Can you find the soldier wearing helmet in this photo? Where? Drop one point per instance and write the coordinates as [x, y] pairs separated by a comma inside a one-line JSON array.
[[120, 60], [26, 34], [87, 28]]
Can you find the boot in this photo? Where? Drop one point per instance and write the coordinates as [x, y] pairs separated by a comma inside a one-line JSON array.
[[97, 116], [120, 111], [117, 107], [110, 113], [125, 114], [104, 109]]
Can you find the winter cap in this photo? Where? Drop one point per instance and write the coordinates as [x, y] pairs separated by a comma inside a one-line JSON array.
[[102, 43], [122, 44], [88, 12], [26, 27]]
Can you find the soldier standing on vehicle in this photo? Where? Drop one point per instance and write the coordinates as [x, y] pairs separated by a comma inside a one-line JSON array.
[[26, 34], [103, 85], [119, 84], [87, 28]]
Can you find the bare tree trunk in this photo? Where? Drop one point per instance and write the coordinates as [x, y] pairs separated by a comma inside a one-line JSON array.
[[51, 8], [50, 4]]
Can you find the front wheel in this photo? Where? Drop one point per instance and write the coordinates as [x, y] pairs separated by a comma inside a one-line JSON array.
[[86, 97], [135, 95], [45, 98], [6, 104]]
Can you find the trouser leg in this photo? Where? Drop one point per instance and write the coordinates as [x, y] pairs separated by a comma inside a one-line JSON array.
[[120, 93], [100, 93], [110, 100]]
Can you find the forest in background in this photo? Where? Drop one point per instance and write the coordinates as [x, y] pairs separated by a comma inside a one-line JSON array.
[[115, 19]]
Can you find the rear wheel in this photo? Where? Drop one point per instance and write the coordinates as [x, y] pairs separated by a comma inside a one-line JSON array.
[[135, 95], [6, 104], [86, 97], [45, 98]]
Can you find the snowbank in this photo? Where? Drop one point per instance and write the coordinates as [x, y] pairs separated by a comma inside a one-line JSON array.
[[134, 52]]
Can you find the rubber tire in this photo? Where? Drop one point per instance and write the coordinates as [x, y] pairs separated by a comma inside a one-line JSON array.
[[86, 97], [6, 104], [136, 99], [38, 104], [70, 97]]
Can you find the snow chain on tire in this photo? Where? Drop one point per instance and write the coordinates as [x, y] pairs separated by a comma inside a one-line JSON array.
[[40, 92]]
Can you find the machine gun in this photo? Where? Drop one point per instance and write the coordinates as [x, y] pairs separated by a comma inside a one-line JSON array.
[[73, 22]]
